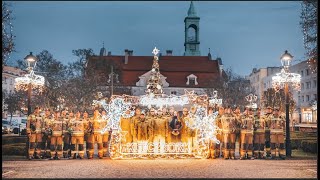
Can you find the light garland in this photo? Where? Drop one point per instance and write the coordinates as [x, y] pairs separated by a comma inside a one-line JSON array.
[[280, 79], [36, 81]]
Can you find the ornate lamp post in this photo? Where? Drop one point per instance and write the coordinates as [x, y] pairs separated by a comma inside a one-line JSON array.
[[283, 79], [111, 76], [30, 80]]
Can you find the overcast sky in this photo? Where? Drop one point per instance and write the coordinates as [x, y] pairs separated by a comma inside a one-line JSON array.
[[244, 34]]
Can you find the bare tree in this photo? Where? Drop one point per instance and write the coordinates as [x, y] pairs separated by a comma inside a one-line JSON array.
[[274, 98], [309, 25], [7, 35], [231, 87]]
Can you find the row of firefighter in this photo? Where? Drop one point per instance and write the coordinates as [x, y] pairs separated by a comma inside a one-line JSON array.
[[63, 135]]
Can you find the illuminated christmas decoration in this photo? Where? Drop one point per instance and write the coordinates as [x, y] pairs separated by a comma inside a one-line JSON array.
[[214, 100], [252, 98], [280, 79], [124, 106], [154, 86], [36, 81]]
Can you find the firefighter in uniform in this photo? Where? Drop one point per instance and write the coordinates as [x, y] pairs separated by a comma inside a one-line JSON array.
[[160, 127], [219, 135], [277, 134], [258, 136], [57, 135], [87, 130], [47, 132], [247, 121], [104, 133], [66, 134], [34, 127], [168, 116], [134, 121], [237, 115], [77, 136], [212, 143], [187, 132], [142, 127], [151, 120], [95, 136], [229, 124], [125, 125], [267, 120]]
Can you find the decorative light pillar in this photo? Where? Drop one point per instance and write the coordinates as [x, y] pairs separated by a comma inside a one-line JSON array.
[[30, 80], [282, 80]]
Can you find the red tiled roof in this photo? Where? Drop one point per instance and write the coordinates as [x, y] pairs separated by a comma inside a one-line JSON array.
[[175, 68]]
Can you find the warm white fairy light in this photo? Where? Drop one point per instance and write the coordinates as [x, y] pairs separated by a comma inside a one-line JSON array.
[[164, 100], [36, 81], [280, 79]]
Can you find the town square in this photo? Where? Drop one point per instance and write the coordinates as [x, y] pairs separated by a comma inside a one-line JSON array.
[[201, 89]]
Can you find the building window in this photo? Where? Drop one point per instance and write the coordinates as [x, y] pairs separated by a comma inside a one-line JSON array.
[[301, 73], [307, 98], [307, 72], [299, 99], [308, 85], [174, 92], [302, 86], [192, 80], [302, 98], [307, 117], [315, 97], [314, 83]]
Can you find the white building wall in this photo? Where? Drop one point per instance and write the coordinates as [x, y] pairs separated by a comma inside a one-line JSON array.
[[308, 93]]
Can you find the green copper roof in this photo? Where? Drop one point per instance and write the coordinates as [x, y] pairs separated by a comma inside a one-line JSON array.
[[192, 11]]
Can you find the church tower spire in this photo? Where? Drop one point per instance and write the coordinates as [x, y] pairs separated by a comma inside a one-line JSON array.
[[103, 51], [192, 42], [192, 11]]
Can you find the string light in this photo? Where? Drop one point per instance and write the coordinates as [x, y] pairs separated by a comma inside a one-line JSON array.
[[280, 79], [36, 81]]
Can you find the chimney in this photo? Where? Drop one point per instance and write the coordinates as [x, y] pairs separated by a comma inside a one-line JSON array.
[[109, 53], [126, 56], [130, 52], [220, 65], [169, 52]]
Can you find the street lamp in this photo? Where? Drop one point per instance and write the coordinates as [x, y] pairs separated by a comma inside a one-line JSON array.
[[282, 80], [111, 76], [30, 80]]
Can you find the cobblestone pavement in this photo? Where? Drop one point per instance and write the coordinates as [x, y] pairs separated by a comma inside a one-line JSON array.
[[160, 168]]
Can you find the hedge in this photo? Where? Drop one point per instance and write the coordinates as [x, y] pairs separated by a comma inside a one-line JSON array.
[[309, 146], [13, 140], [18, 149]]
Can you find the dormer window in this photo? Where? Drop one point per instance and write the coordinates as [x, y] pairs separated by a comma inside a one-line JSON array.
[[192, 80]]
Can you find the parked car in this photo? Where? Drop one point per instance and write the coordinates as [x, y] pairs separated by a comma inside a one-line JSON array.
[[5, 130]]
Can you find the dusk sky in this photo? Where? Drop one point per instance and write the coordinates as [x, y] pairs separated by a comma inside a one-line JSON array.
[[245, 35]]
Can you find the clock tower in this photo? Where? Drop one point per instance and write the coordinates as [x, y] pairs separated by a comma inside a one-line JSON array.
[[191, 42]]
